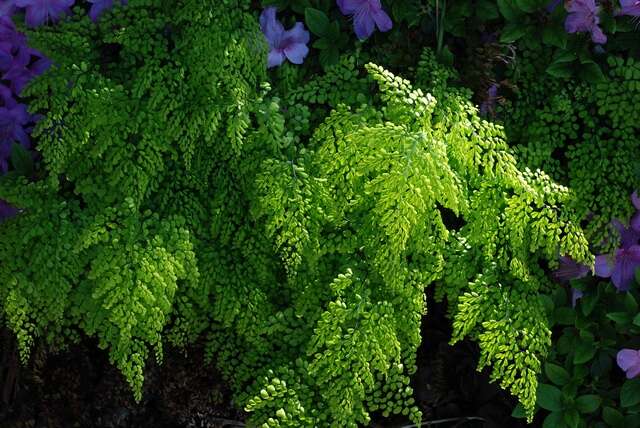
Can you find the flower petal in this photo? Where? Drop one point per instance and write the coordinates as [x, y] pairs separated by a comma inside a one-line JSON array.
[[270, 26], [348, 7], [382, 20], [604, 266], [297, 34], [296, 52], [363, 25], [597, 36], [626, 358], [627, 260], [276, 57], [635, 222]]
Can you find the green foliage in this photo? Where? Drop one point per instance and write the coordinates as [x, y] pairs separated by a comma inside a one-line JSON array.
[[581, 376], [178, 203], [583, 135]]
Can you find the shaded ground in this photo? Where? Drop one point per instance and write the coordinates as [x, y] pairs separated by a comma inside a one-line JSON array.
[[81, 389]]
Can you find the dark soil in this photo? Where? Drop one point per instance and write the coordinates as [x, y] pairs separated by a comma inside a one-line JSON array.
[[79, 388]]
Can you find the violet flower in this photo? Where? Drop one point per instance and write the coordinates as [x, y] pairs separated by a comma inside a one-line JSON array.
[[290, 44], [620, 268], [635, 220], [7, 210], [570, 269], [629, 361], [7, 7], [583, 17], [367, 14], [629, 7], [98, 7], [40, 12]]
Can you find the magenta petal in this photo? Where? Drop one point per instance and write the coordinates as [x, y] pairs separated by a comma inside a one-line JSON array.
[[382, 20], [604, 266]]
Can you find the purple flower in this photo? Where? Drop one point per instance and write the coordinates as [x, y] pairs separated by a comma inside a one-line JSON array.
[[629, 7], [13, 120], [290, 44], [7, 210], [635, 220], [621, 268], [42, 11], [583, 17], [570, 269], [7, 7], [367, 14], [99, 6], [22, 70], [575, 296], [629, 361]]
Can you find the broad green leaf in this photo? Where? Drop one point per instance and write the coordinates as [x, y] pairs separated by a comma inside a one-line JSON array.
[[560, 69], [613, 417], [571, 418], [508, 10], [317, 21], [487, 10], [591, 72], [553, 420], [549, 397], [557, 374], [619, 317], [584, 352], [512, 32], [630, 393], [588, 403], [554, 35], [565, 316], [518, 412]]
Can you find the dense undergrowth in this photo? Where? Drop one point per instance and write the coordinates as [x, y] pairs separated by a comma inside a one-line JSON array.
[[294, 219]]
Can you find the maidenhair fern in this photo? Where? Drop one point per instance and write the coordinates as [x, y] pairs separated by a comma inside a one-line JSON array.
[[177, 203]]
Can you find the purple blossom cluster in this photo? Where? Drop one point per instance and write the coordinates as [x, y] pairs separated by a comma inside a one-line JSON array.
[[292, 44], [18, 64], [620, 267], [41, 12], [584, 16]]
